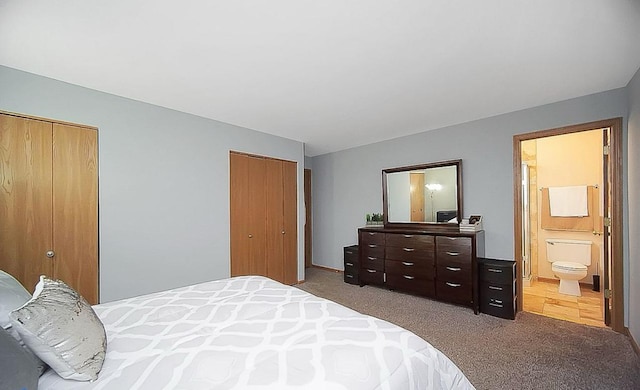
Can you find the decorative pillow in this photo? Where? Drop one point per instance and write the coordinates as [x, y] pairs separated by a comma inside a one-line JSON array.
[[63, 330], [12, 296], [18, 368]]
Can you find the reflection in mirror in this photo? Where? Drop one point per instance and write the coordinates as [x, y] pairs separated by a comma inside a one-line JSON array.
[[426, 193]]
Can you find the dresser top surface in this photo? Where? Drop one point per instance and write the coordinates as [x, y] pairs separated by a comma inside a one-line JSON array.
[[434, 232]]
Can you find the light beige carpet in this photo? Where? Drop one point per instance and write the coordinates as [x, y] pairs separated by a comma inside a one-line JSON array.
[[532, 352]]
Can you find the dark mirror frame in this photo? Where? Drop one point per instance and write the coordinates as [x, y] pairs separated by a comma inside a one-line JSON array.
[[422, 225]]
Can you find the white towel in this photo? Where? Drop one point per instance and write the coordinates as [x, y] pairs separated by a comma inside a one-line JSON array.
[[568, 201]]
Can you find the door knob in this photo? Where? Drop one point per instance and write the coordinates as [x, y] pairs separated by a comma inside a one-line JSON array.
[[250, 235], [50, 254], [283, 232]]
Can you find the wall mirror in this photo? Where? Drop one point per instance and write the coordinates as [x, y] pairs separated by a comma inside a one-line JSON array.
[[427, 194]]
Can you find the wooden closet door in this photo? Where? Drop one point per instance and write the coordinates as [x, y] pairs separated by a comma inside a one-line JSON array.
[[25, 199], [247, 220], [290, 221], [257, 213], [75, 208], [275, 224]]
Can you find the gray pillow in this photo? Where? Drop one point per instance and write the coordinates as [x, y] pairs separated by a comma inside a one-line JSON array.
[[62, 329], [12, 296], [18, 369]]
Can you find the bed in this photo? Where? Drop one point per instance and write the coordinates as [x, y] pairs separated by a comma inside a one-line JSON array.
[[254, 333]]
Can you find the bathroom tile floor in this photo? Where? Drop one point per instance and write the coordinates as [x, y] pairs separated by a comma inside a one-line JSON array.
[[542, 298]]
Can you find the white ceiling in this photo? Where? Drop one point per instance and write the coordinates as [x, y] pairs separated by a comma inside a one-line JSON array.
[[333, 74]]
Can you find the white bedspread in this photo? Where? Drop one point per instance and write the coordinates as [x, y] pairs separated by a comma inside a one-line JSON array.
[[255, 333]]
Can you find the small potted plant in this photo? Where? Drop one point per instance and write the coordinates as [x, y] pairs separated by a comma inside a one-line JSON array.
[[374, 219]]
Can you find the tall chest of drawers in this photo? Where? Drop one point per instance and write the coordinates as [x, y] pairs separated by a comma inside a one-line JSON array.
[[434, 264], [351, 265], [497, 287]]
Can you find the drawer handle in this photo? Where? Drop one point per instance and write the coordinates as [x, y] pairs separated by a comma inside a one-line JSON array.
[[373, 271], [349, 252], [453, 253], [372, 258], [349, 264], [495, 304], [408, 235], [407, 263], [496, 301], [408, 249], [453, 284], [349, 276], [495, 288], [372, 234], [408, 277], [373, 246], [494, 270], [456, 269]]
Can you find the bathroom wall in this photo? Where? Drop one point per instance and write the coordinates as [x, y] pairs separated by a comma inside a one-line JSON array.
[[569, 160]]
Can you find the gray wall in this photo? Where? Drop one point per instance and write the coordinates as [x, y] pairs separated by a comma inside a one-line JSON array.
[[347, 184], [634, 208], [164, 182]]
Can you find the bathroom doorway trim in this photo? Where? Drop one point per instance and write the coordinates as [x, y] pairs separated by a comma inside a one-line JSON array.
[[616, 190]]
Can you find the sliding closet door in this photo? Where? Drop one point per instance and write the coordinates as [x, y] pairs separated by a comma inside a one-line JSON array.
[[75, 208], [25, 198]]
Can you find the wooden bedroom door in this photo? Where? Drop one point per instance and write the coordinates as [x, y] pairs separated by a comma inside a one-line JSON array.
[[263, 225], [49, 203]]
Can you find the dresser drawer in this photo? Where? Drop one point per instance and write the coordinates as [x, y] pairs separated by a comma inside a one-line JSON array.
[[410, 254], [415, 285], [351, 253], [410, 241], [499, 308], [371, 276], [454, 291], [414, 269], [490, 290], [456, 273], [351, 277], [453, 244], [372, 238], [460, 257], [496, 273], [370, 256], [351, 266], [372, 252]]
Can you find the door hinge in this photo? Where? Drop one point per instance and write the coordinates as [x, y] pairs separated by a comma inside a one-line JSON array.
[[607, 221], [607, 293], [606, 149]]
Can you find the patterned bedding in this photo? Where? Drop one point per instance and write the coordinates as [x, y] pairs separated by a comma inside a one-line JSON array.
[[254, 333]]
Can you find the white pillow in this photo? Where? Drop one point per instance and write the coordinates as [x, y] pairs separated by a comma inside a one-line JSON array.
[[62, 329]]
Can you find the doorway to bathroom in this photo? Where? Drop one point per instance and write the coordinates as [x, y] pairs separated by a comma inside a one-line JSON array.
[[584, 158]]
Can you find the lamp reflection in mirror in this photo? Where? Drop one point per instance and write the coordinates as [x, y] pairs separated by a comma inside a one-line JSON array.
[[433, 187]]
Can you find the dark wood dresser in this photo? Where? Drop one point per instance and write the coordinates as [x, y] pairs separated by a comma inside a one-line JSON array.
[[436, 264], [497, 290]]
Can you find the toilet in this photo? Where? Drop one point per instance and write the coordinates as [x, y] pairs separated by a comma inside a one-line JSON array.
[[569, 259]]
